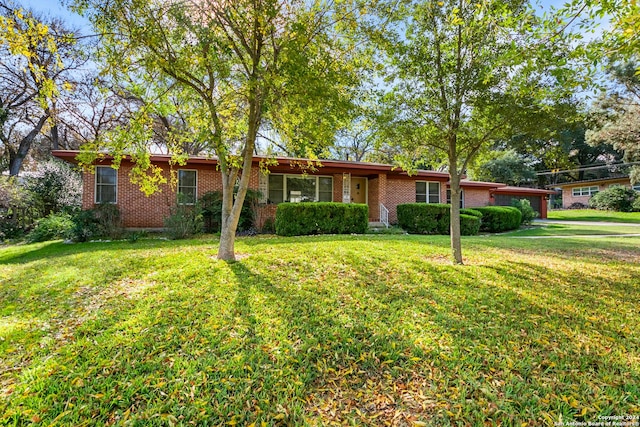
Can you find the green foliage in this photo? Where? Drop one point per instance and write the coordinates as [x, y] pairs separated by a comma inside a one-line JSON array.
[[434, 218], [636, 205], [615, 198], [184, 221], [496, 219], [85, 226], [508, 167], [471, 211], [227, 71], [466, 75], [524, 206], [296, 219], [424, 218], [469, 225], [54, 226]]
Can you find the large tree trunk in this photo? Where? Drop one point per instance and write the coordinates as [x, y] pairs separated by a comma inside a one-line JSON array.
[[17, 157], [231, 208], [456, 244]]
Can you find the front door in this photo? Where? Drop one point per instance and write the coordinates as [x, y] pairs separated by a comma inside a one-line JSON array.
[[358, 190]]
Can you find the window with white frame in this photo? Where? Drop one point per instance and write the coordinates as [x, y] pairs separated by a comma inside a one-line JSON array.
[[298, 188], [427, 192], [187, 187], [461, 197], [584, 191], [106, 185], [636, 187]]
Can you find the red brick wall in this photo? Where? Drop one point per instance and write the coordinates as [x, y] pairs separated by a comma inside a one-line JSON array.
[[139, 211], [399, 191], [476, 197]]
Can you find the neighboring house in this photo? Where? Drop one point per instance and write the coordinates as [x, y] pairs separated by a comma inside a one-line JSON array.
[[381, 187], [581, 191]]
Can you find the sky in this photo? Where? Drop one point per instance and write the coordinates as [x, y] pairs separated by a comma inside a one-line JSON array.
[[55, 9]]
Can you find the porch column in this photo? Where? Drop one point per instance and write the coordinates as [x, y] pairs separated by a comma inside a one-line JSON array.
[[544, 201], [382, 189], [378, 194], [337, 187]]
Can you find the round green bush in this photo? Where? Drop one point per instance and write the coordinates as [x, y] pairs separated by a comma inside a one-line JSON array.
[[616, 198], [524, 206], [496, 219], [51, 227]]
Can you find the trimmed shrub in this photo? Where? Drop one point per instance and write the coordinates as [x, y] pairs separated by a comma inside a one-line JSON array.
[[636, 205], [424, 218], [54, 226], [297, 219], [469, 225], [496, 219], [616, 198], [471, 211], [184, 221], [524, 206], [434, 218]]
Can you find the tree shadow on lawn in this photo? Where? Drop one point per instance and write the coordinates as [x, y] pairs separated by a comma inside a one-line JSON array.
[[58, 249], [532, 353], [367, 339]]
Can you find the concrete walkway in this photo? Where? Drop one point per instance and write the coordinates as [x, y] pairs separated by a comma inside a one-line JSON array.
[[634, 229], [596, 223], [577, 236]]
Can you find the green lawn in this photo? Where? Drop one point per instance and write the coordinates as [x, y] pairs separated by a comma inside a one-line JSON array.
[[538, 229], [353, 330], [594, 215]]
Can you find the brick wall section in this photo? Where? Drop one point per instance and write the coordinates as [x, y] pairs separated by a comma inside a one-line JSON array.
[[265, 212], [399, 191], [476, 197], [567, 192], [374, 199], [139, 211]]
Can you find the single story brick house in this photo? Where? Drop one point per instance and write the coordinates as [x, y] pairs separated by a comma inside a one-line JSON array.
[[382, 187], [581, 191]]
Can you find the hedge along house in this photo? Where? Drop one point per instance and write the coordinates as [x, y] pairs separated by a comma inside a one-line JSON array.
[[579, 193], [381, 187]]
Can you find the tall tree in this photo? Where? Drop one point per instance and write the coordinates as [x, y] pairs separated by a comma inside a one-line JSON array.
[[466, 73], [508, 167], [240, 63], [616, 115], [37, 57]]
